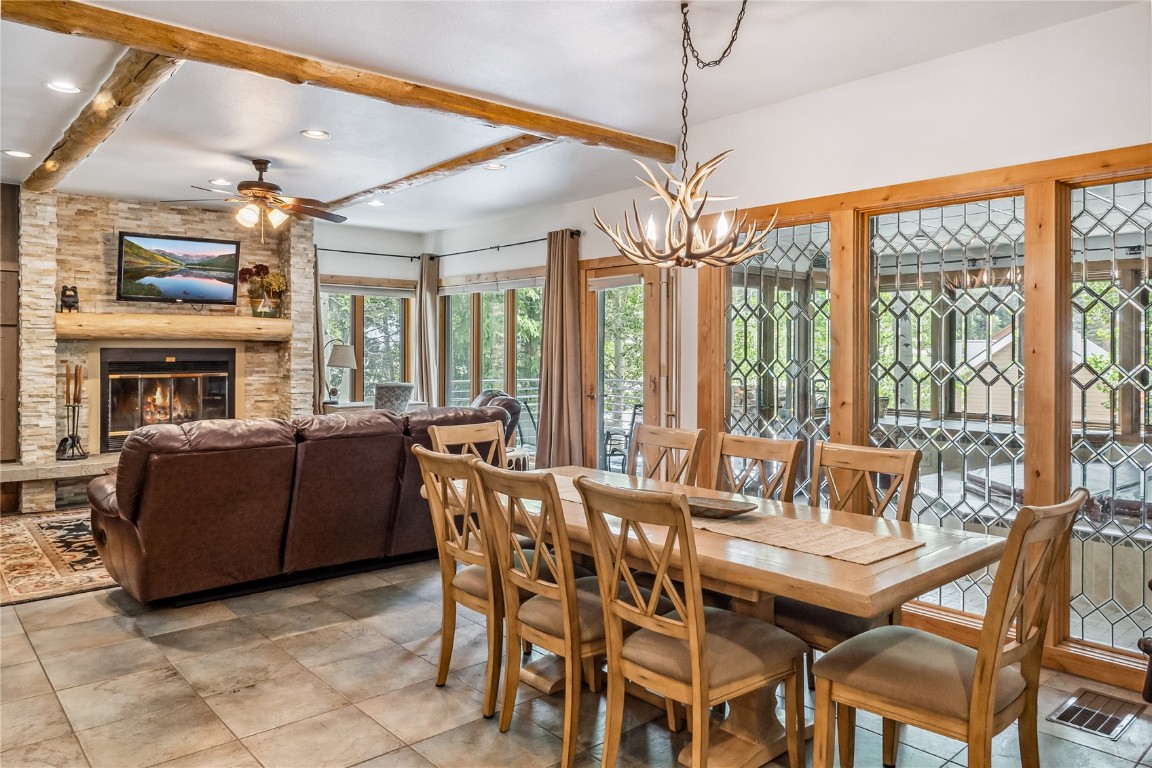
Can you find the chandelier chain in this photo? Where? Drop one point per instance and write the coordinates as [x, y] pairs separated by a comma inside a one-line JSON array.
[[687, 46]]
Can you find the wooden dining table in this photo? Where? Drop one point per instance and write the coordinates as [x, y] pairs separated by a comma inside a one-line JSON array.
[[753, 574]]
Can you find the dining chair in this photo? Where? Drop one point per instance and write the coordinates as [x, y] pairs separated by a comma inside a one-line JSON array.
[[485, 440], [744, 464], [852, 472], [695, 655], [466, 573], [544, 602], [665, 453], [964, 693], [855, 475]]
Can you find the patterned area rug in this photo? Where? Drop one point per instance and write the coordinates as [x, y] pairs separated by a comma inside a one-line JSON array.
[[48, 555]]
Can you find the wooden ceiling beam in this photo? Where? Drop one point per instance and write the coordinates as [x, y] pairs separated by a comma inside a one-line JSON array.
[[134, 79], [68, 17], [503, 150]]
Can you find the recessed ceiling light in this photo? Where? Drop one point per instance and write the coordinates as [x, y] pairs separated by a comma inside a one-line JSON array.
[[220, 183], [62, 87], [376, 203], [16, 153], [495, 167], [313, 133]]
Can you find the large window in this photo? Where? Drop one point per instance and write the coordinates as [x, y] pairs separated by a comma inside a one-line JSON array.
[[946, 372], [491, 340], [377, 327], [1111, 417], [779, 342]]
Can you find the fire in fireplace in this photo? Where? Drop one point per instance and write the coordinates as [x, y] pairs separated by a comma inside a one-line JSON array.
[[163, 386]]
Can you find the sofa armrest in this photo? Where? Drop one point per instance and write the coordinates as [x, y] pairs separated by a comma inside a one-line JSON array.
[[102, 495]]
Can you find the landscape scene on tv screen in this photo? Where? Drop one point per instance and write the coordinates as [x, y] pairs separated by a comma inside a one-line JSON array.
[[156, 268]]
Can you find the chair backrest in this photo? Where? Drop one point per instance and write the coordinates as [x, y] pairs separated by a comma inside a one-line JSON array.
[[448, 483], [485, 441], [744, 465], [853, 469], [650, 531], [529, 538], [1021, 599], [665, 453]]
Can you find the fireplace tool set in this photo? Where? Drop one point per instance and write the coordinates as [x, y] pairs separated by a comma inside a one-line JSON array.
[[70, 448]]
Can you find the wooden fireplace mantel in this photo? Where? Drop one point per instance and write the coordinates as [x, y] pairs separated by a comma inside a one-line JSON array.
[[91, 325]]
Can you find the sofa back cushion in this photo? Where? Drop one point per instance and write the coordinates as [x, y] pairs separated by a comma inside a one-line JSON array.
[[209, 500], [348, 472], [412, 528]]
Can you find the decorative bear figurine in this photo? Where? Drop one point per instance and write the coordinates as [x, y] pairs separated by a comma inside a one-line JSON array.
[[69, 298]]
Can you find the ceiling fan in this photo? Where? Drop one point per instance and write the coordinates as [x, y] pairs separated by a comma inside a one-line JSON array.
[[265, 200]]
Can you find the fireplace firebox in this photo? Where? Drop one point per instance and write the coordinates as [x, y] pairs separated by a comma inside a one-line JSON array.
[[163, 386]]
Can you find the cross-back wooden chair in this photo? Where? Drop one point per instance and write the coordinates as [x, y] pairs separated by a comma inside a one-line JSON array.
[[484, 440], [744, 464], [677, 654], [544, 602], [852, 473], [467, 576], [665, 453], [964, 693]]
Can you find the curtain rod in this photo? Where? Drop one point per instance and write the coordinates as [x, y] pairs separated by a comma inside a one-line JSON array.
[[572, 233], [372, 253]]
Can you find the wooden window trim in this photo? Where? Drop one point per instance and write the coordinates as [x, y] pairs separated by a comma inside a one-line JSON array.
[[1045, 186]]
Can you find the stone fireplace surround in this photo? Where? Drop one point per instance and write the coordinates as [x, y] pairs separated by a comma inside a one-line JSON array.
[[72, 239]]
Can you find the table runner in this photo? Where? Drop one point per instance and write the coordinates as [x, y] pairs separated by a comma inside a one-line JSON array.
[[800, 535], [811, 537]]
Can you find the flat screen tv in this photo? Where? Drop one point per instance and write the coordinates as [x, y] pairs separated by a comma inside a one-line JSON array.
[[193, 270]]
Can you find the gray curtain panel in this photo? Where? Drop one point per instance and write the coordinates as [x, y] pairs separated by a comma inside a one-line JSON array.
[[427, 332], [559, 437], [319, 392]]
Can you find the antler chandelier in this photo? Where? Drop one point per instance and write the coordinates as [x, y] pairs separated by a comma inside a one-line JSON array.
[[686, 242]]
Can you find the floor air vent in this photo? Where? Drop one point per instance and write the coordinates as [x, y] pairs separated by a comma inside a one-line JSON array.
[[1097, 713]]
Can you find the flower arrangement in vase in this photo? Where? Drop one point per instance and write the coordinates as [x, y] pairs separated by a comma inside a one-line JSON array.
[[254, 277]]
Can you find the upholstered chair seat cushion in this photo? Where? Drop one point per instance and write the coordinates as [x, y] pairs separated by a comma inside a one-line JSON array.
[[543, 613], [821, 626], [736, 647], [924, 671], [472, 579]]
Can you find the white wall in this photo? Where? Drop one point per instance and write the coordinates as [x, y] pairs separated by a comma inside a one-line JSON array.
[[368, 241], [1078, 87]]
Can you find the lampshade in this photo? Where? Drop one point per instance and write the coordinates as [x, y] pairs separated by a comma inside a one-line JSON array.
[[342, 356], [248, 216], [276, 217]]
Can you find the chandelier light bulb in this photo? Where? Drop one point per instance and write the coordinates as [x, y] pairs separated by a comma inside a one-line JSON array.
[[722, 226], [650, 231]]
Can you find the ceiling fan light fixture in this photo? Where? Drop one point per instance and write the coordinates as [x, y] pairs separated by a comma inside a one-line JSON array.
[[61, 86], [248, 216], [315, 133], [276, 217], [495, 167]]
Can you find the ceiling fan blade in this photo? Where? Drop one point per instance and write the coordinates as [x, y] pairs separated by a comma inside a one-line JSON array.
[[217, 191], [307, 201], [316, 213]]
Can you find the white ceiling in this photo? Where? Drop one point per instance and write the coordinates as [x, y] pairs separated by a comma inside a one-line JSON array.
[[613, 63]]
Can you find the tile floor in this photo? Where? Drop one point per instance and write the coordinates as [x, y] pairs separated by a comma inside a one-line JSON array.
[[340, 673]]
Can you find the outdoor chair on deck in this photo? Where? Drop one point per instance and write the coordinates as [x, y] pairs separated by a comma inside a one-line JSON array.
[[910, 676]]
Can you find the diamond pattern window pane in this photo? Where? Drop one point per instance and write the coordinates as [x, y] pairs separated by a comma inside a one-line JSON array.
[[779, 343], [1112, 412], [946, 365]]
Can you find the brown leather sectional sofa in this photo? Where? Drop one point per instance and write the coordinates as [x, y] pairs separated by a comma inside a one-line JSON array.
[[215, 503]]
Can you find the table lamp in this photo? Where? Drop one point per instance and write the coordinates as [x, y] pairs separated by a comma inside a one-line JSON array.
[[342, 356]]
